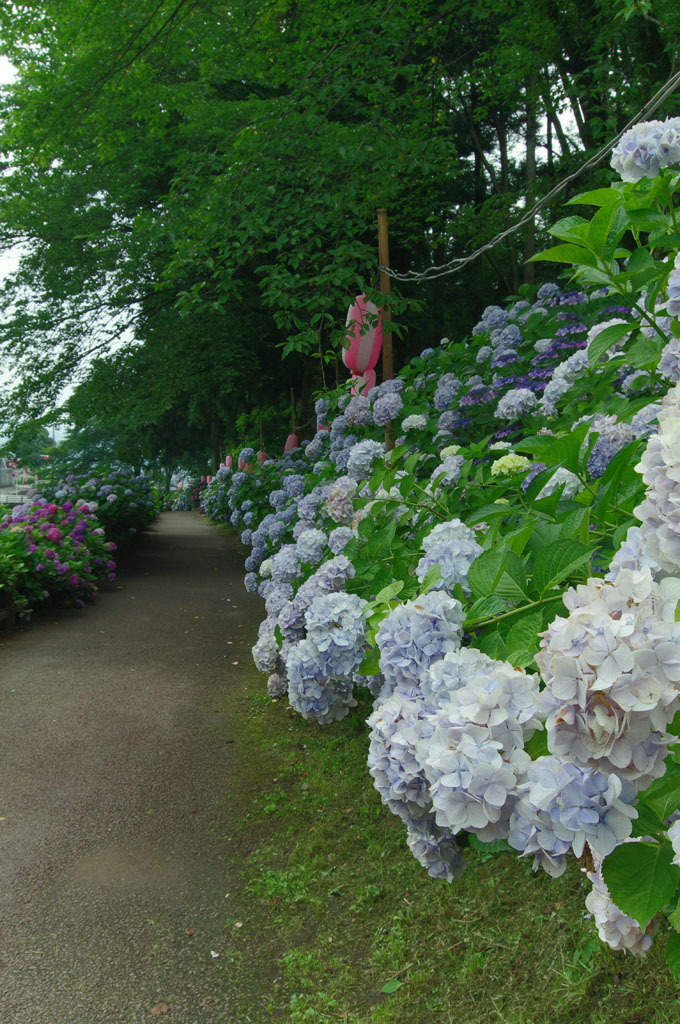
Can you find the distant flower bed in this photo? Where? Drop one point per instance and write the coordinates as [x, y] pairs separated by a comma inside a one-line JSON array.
[[59, 546], [124, 502]]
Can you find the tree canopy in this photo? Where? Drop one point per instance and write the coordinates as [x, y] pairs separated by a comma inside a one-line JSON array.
[[193, 185]]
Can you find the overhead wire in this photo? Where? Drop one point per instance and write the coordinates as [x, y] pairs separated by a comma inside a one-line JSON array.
[[457, 264]]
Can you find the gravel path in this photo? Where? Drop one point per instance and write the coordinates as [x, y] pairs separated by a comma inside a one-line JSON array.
[[120, 771]]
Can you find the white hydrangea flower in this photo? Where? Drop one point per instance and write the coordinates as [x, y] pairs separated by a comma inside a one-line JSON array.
[[415, 422], [659, 512], [572, 484], [611, 670]]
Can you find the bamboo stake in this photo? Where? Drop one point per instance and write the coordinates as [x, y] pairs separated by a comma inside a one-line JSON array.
[[384, 260], [387, 362]]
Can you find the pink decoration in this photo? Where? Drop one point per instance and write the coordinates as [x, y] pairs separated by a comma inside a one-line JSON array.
[[363, 384], [365, 340], [228, 461], [291, 442], [261, 457], [204, 479]]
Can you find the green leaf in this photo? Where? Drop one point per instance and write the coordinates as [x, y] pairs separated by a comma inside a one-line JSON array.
[[370, 666], [432, 576], [493, 646], [485, 608], [555, 563], [523, 633], [485, 572], [606, 230], [390, 591], [537, 746], [494, 846], [567, 253], [596, 197], [641, 879], [663, 796], [674, 919], [673, 955], [640, 259], [570, 229], [647, 822], [391, 986], [606, 338]]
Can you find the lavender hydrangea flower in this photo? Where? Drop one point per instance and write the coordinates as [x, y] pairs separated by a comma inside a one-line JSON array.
[[414, 635], [437, 851], [646, 148], [265, 653], [453, 547], [447, 389], [358, 412], [335, 623], [515, 404], [659, 512], [362, 457], [563, 806], [339, 538], [311, 545], [397, 724], [387, 408], [285, 565], [310, 691], [338, 498]]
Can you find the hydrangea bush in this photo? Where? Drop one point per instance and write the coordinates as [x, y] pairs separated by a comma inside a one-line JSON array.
[[51, 551], [505, 580]]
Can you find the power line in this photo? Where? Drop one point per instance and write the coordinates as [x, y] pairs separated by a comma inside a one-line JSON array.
[[454, 265]]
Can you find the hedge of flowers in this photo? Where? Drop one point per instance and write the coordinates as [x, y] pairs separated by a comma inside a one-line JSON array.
[[506, 579], [59, 545], [125, 502], [52, 551]]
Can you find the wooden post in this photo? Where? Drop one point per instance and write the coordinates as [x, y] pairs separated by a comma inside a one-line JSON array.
[[292, 408], [387, 363], [384, 261]]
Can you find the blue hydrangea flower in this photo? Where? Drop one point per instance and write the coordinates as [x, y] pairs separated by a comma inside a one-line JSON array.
[[453, 547], [414, 635], [361, 459], [564, 806], [387, 408]]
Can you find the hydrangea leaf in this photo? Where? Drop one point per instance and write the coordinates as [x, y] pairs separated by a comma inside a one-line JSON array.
[[432, 576], [673, 955], [485, 572], [370, 666], [484, 608], [390, 591], [663, 796], [570, 229], [674, 919], [605, 339], [554, 564], [567, 253], [596, 197], [647, 822], [606, 229], [523, 633], [641, 879]]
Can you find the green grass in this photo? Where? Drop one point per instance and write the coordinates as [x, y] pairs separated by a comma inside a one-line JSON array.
[[339, 909]]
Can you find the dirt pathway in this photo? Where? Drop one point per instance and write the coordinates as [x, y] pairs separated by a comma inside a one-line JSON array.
[[119, 777]]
